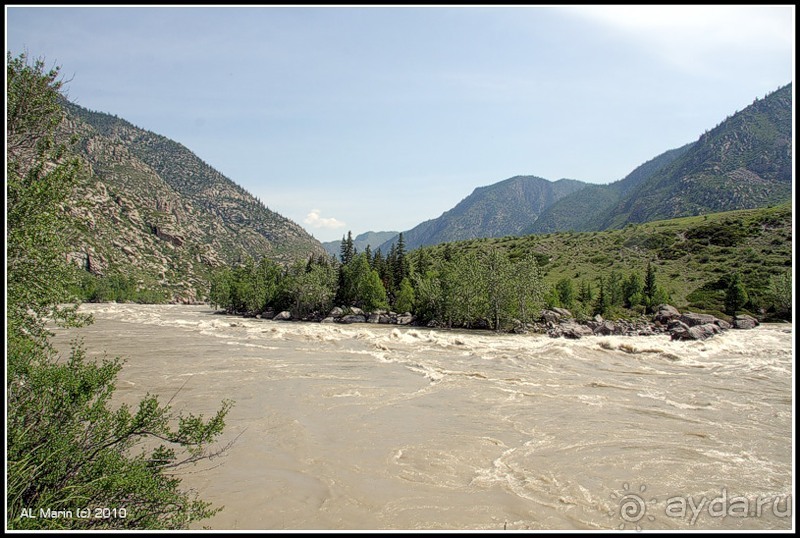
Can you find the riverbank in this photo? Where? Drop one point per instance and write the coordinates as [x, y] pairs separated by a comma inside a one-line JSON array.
[[556, 322]]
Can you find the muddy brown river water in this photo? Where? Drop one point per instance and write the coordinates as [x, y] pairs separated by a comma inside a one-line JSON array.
[[380, 427]]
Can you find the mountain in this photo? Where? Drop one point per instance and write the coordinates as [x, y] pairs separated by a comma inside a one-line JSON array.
[[586, 209], [744, 162], [360, 242], [504, 208], [150, 208]]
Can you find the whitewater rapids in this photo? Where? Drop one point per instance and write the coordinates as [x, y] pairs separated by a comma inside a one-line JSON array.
[[379, 427]]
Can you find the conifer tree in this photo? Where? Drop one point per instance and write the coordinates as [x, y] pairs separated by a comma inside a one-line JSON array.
[[650, 287], [400, 267], [347, 250]]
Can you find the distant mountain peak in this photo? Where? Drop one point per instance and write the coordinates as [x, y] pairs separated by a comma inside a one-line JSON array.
[[503, 208]]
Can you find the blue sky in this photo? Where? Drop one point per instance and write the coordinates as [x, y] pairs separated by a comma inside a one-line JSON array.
[[378, 118]]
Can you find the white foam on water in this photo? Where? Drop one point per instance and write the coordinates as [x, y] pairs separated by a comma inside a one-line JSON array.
[[662, 397], [441, 425]]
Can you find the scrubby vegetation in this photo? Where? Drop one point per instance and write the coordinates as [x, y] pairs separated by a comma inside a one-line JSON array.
[[723, 264], [70, 452]]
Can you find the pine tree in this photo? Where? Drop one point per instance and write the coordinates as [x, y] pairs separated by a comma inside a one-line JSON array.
[[379, 265], [650, 287], [368, 252], [400, 265], [585, 293], [603, 304], [347, 250]]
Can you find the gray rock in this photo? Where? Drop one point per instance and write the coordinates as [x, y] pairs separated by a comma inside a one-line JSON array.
[[354, 318], [574, 330], [677, 325], [605, 328], [336, 312], [697, 332], [405, 320], [283, 316], [355, 311], [665, 313], [724, 325], [743, 321], [550, 316], [563, 312], [691, 319], [374, 318], [329, 319]]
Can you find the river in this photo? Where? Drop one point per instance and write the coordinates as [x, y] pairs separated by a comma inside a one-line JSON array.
[[368, 427]]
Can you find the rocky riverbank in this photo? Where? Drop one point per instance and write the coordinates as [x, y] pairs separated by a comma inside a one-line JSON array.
[[558, 323]]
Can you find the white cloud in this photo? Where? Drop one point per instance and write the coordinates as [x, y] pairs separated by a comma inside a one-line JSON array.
[[314, 220], [725, 25], [694, 36]]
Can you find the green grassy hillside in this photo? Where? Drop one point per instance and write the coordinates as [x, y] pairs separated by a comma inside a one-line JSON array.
[[693, 256]]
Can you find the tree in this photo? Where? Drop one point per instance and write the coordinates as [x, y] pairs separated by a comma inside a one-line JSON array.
[[467, 276], [422, 262], [405, 297], [400, 267], [346, 249], [650, 287], [361, 285], [632, 290], [39, 176], [388, 277], [779, 292], [603, 304], [221, 282], [373, 294], [498, 286], [735, 295], [429, 295], [526, 281], [614, 288], [266, 276], [65, 446], [311, 288], [585, 293], [566, 293]]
